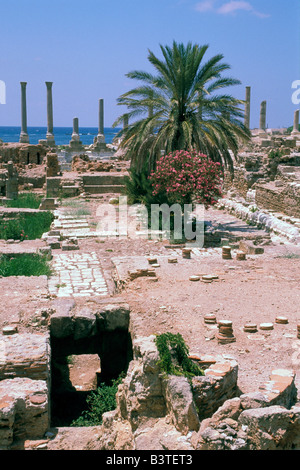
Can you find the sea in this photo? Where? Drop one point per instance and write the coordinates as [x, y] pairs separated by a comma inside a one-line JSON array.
[[62, 135]]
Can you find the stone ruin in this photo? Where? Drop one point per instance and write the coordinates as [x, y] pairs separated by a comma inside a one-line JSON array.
[[154, 411], [266, 177], [82, 163], [9, 181], [22, 154]]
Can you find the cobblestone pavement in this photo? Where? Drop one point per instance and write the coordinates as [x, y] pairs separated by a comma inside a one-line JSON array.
[[77, 274]]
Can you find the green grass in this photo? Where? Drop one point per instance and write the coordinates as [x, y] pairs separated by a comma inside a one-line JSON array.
[[24, 265], [76, 208], [26, 226], [99, 402], [26, 200]]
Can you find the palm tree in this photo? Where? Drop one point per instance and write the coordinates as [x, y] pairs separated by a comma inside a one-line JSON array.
[[178, 108]]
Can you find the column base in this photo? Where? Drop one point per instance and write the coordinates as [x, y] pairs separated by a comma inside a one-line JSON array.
[[75, 137], [100, 139], [76, 144], [262, 133], [24, 138], [50, 139]]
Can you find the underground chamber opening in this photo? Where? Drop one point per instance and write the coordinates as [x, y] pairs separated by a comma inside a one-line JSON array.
[[85, 375]]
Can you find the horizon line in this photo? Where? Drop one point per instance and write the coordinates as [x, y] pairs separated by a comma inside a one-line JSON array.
[[69, 127]]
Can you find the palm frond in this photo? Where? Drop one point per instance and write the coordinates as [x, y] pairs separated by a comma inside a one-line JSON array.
[[179, 107]]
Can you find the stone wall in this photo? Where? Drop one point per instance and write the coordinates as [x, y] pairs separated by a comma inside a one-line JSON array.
[[249, 169], [218, 385], [22, 154], [284, 199], [24, 387], [264, 420], [154, 410], [262, 219], [3, 178], [146, 393], [52, 165]]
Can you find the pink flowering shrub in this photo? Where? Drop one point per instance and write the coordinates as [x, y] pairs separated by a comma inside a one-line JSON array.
[[187, 177]]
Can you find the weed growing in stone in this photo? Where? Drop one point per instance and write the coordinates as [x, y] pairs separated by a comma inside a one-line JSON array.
[[174, 356], [99, 402]]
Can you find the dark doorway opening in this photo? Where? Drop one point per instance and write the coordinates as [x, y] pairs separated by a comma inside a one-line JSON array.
[[79, 367]]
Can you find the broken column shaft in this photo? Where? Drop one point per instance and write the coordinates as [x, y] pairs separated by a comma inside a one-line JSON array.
[[50, 135], [24, 138]]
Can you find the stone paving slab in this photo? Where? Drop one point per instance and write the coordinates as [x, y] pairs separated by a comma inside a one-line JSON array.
[[77, 275]]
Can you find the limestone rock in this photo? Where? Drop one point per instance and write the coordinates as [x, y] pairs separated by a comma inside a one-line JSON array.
[[271, 428], [23, 409], [115, 435], [160, 434], [61, 325], [85, 324], [180, 404], [112, 317], [140, 395]]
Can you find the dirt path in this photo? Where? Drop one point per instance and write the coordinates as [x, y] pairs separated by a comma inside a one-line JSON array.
[[256, 290]]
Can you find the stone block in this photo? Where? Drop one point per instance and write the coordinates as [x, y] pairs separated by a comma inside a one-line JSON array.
[[180, 404], [24, 355], [248, 247], [217, 385], [112, 317], [68, 246], [61, 324], [53, 185], [48, 204], [85, 324], [140, 395], [270, 428], [52, 165], [24, 410], [53, 243]]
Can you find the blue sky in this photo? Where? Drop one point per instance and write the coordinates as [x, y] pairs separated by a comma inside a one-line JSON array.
[[87, 47]]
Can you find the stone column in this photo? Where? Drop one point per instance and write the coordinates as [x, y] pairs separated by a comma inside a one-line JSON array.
[[52, 165], [262, 119], [50, 135], [100, 137], [247, 107], [75, 134], [24, 138], [75, 141], [296, 123], [12, 182]]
